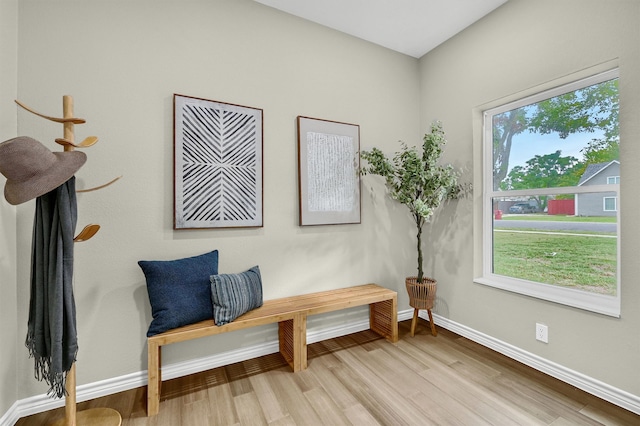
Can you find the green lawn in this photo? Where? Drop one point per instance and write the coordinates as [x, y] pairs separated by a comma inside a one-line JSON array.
[[560, 218], [581, 262], [558, 231]]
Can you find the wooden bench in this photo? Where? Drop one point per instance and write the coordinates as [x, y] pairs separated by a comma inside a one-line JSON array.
[[291, 315]]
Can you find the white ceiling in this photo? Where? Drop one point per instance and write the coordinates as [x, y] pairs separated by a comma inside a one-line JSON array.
[[412, 27]]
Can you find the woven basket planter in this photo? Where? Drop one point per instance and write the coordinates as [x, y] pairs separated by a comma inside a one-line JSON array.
[[421, 295]]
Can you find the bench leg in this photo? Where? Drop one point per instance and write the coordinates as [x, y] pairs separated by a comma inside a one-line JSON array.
[[285, 340], [292, 337], [300, 342], [383, 319], [154, 375]]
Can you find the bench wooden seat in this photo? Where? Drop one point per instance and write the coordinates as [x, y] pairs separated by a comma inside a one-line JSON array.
[[291, 315]]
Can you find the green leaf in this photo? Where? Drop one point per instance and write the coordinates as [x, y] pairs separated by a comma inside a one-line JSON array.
[[415, 179]]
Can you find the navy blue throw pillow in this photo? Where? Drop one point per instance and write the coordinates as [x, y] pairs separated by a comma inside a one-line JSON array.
[[235, 294], [179, 290]]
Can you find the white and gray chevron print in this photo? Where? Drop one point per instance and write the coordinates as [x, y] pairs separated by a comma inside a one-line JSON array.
[[220, 167]]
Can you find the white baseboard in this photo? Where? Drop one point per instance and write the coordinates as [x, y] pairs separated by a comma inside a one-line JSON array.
[[11, 417], [40, 403], [588, 384]]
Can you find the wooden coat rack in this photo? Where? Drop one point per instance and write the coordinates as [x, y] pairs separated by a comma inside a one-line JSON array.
[[94, 416]]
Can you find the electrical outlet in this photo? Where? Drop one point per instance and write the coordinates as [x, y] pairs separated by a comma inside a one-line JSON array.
[[542, 333]]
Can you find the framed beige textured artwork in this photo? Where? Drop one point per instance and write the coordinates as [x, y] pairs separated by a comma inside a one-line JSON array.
[[328, 172]]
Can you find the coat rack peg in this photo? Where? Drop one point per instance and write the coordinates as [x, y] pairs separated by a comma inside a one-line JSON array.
[[73, 120], [86, 233], [95, 188], [68, 141], [87, 142]]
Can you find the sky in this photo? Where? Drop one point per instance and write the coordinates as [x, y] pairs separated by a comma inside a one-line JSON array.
[[527, 145]]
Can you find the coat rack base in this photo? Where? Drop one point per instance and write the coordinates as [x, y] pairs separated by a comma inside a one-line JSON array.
[[94, 417]]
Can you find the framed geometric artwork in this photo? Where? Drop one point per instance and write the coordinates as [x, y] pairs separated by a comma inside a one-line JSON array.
[[217, 164], [328, 172]]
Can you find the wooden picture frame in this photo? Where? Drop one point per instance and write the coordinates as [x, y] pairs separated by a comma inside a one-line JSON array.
[[328, 172], [218, 164]]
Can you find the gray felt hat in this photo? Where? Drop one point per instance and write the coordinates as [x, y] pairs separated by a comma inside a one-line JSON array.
[[33, 170]]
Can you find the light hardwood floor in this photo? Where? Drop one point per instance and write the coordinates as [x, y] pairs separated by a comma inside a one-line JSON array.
[[361, 379]]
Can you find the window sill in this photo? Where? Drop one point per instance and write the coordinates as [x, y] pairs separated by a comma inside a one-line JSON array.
[[593, 302]]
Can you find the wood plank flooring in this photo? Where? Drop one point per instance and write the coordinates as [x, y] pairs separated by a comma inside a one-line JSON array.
[[361, 379]]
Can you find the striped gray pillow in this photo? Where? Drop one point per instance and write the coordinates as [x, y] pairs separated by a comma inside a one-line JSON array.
[[235, 294]]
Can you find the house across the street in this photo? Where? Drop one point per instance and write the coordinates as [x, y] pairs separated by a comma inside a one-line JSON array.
[[598, 204]]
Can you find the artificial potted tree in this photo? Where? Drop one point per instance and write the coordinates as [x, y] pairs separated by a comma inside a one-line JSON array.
[[419, 182]]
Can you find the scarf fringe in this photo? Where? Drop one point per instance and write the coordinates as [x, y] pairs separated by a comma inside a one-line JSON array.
[[42, 371]]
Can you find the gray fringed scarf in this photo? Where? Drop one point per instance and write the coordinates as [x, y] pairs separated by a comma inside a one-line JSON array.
[[51, 335]]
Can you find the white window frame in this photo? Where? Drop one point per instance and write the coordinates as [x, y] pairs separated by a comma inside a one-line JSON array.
[[599, 303], [613, 180], [604, 204]]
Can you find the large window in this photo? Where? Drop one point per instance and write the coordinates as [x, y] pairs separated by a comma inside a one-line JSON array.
[[551, 205]]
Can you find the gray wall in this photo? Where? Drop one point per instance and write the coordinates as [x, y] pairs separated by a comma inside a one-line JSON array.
[[8, 130], [525, 45], [593, 204]]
